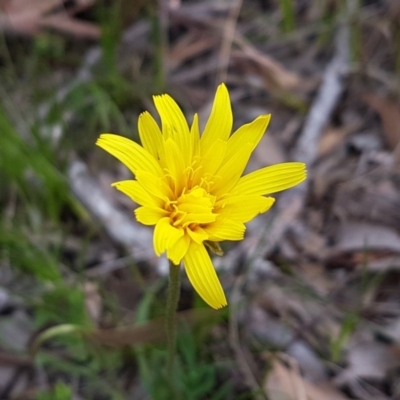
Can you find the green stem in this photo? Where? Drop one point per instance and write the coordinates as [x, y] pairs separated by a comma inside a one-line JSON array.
[[172, 304]]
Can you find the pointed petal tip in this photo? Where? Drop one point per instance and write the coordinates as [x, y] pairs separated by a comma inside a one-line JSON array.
[[223, 305], [303, 173], [222, 89], [100, 139], [304, 169], [217, 306], [105, 137], [267, 118], [263, 118], [162, 96]]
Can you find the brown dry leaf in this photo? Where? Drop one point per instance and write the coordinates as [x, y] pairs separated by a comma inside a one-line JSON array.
[[275, 333], [315, 276], [28, 17], [331, 138], [274, 76], [363, 245], [389, 111], [93, 301], [363, 236], [286, 383], [188, 46], [63, 23], [22, 16], [150, 332], [273, 72], [392, 330], [314, 320], [372, 197], [368, 359]]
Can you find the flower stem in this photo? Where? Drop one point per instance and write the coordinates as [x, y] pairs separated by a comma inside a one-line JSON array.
[[172, 304]]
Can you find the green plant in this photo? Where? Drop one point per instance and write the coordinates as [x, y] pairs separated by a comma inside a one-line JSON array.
[[58, 392]]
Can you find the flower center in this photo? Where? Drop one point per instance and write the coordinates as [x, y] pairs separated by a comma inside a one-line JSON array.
[[192, 208]]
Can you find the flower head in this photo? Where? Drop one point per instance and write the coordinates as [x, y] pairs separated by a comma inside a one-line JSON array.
[[190, 186]]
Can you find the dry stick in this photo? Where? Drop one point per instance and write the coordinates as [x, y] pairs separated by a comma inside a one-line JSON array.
[[120, 228], [291, 202], [227, 40]]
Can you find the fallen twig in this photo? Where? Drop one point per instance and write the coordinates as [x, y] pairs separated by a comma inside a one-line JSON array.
[[291, 202], [227, 40], [121, 229]]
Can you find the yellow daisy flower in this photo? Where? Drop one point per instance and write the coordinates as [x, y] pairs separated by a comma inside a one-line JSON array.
[[191, 187]]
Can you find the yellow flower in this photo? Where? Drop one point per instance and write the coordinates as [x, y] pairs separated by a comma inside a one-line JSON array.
[[191, 187]]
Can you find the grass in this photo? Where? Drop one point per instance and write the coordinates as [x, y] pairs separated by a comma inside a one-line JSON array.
[[288, 15]]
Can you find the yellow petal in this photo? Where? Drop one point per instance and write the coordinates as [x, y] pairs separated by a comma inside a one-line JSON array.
[[197, 234], [188, 219], [244, 208], [219, 124], [210, 162], [248, 133], [129, 153], [148, 215], [195, 136], [174, 124], [240, 146], [150, 134], [213, 158], [225, 229], [137, 193], [175, 165], [271, 179], [154, 185], [176, 252], [230, 172], [165, 235], [202, 276], [170, 113]]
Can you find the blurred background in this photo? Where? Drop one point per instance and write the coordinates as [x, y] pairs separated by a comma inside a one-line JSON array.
[[314, 289]]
